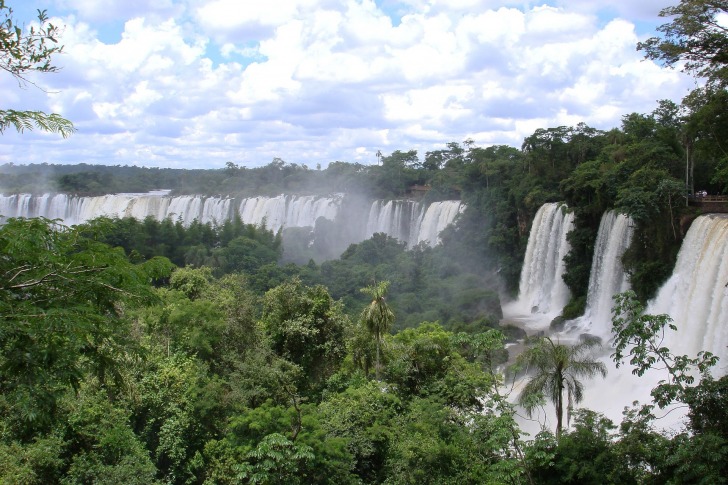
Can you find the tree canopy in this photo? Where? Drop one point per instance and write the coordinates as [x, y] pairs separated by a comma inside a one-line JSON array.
[[695, 36]]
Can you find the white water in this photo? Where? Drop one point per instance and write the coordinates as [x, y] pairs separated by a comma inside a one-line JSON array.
[[408, 221], [396, 218], [542, 291], [76, 210], [434, 220], [412, 222], [277, 212], [696, 295], [288, 210], [607, 276]]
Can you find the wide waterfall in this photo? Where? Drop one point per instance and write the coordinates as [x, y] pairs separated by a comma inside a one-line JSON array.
[[542, 289], [696, 295], [409, 221], [288, 210], [412, 222], [607, 277], [76, 210], [396, 218]]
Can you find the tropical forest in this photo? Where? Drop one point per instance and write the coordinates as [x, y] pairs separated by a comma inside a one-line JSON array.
[[175, 326]]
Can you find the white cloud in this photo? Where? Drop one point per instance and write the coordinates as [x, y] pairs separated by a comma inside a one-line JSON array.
[[202, 82]]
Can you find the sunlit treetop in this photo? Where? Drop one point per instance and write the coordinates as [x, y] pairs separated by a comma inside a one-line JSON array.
[[696, 36]]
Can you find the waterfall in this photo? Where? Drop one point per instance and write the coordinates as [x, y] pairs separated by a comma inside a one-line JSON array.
[[406, 220], [411, 222], [437, 217], [288, 210], [696, 295], [696, 298], [607, 277], [542, 289], [396, 218]]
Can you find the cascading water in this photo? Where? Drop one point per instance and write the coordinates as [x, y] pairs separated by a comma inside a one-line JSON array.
[[542, 289], [607, 277], [278, 211], [434, 220], [396, 218], [696, 295], [288, 210], [696, 298], [408, 221], [412, 222]]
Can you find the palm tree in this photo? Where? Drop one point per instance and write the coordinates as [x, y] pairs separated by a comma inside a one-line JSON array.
[[377, 316], [557, 369]]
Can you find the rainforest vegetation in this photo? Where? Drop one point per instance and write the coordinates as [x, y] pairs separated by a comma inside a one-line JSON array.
[[153, 352]]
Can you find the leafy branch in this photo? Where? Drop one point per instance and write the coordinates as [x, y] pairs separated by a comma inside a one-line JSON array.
[[24, 51], [27, 51], [639, 337], [28, 120]]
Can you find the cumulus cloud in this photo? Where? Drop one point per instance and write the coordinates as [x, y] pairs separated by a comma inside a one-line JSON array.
[[197, 83]]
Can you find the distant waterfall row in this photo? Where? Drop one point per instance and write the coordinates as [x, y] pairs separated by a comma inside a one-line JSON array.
[[409, 221]]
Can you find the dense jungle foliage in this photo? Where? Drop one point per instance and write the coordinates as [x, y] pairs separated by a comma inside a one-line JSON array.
[[149, 352]]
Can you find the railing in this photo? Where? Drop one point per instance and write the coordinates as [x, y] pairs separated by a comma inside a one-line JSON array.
[[712, 198], [710, 203]]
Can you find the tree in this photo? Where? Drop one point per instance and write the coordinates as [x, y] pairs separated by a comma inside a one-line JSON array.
[[377, 316], [639, 337], [558, 368], [101, 442], [307, 327], [23, 52], [363, 414], [276, 460], [695, 457], [63, 304], [694, 36]]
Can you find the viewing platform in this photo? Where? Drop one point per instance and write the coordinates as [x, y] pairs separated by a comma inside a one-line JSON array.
[[710, 203]]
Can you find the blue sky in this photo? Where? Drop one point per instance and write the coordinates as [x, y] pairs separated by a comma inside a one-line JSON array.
[[198, 83]]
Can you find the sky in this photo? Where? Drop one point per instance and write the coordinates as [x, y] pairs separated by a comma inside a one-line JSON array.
[[199, 83]]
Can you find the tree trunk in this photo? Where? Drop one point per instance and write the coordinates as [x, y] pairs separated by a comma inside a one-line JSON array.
[[377, 363], [559, 411]]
